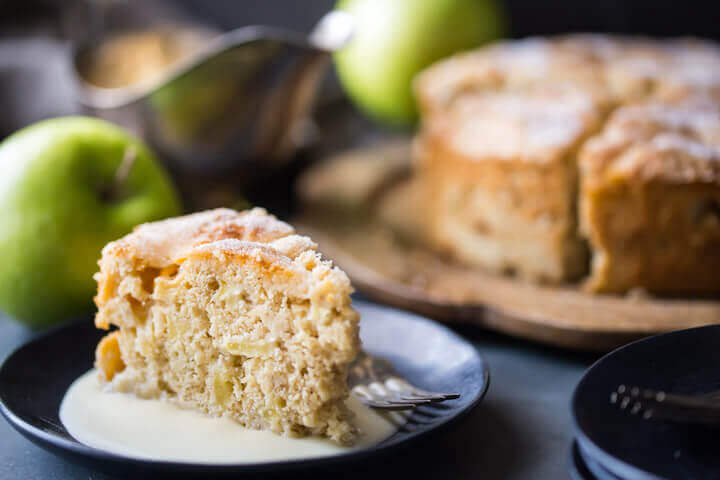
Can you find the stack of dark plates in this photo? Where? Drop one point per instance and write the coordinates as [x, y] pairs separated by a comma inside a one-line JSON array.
[[617, 443]]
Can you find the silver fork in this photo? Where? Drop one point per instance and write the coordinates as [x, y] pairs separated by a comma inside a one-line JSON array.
[[669, 407], [376, 384]]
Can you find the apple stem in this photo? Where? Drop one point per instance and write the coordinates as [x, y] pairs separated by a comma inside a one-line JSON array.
[[122, 173]]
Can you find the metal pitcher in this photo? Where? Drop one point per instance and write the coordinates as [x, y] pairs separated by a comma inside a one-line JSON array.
[[241, 103]]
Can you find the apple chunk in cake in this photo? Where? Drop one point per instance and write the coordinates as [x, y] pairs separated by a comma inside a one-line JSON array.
[[232, 314], [499, 177], [650, 199]]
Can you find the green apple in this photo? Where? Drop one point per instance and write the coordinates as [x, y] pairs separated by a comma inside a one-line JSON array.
[[63, 196], [395, 39]]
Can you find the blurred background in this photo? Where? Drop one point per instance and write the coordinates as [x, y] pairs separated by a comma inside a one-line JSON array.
[[32, 34], [527, 17], [36, 38]]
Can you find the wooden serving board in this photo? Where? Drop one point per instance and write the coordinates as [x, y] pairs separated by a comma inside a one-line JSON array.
[[361, 209]]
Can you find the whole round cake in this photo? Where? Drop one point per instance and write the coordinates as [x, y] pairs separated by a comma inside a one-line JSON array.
[[577, 158]]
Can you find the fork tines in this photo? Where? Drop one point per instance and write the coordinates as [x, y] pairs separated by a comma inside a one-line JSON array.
[[396, 394], [652, 404], [375, 383]]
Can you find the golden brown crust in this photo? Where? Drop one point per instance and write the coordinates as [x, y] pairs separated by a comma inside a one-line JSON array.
[[160, 243], [154, 246], [513, 65], [664, 69], [619, 68], [538, 126], [675, 142]]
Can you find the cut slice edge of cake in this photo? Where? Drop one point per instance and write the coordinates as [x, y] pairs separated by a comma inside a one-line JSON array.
[[650, 190], [232, 314]]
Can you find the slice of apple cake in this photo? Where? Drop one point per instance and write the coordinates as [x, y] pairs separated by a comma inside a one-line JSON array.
[[232, 314], [650, 198]]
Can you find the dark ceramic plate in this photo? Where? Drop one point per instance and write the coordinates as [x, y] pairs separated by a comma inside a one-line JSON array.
[[626, 446], [34, 379], [576, 465], [587, 468]]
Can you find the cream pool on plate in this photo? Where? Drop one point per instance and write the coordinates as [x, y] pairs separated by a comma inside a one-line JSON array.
[[156, 429]]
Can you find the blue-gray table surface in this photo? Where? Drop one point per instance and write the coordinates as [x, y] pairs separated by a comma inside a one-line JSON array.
[[521, 430]]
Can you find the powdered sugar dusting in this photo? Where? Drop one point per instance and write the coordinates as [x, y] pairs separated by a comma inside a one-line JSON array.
[[161, 243], [681, 62], [685, 145], [695, 117], [616, 66], [513, 125], [678, 142], [234, 246]]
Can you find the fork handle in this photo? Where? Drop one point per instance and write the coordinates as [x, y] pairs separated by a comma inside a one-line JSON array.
[[682, 414]]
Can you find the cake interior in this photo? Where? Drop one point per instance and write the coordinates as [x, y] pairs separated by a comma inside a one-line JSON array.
[[500, 177], [659, 237], [513, 227]]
